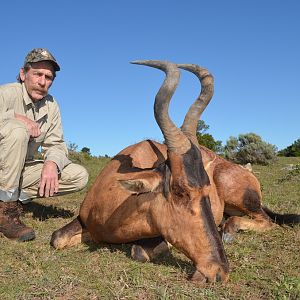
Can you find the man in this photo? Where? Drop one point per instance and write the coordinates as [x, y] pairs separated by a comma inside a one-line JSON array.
[[30, 119]]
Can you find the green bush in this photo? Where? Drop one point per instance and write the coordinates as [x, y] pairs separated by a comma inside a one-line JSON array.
[[249, 148], [292, 150]]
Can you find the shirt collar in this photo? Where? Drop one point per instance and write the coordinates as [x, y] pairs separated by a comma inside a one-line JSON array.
[[40, 105], [27, 99]]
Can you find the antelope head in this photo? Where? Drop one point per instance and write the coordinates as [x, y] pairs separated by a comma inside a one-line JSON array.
[[187, 221]]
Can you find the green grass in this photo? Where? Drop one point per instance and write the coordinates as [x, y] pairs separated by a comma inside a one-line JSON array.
[[263, 265]]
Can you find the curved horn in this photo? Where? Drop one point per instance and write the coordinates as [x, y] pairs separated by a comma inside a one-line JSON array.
[[175, 139], [189, 126]]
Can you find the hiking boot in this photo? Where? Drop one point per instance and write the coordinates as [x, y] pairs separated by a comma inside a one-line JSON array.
[[10, 224]]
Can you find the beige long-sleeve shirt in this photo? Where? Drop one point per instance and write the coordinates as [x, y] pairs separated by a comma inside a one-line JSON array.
[[15, 99]]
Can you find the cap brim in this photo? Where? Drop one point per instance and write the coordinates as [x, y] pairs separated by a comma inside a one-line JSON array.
[[54, 63], [56, 66]]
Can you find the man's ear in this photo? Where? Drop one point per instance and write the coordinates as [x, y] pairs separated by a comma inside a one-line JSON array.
[[22, 74]]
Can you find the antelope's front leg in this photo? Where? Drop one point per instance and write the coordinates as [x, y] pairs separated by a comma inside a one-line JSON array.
[[148, 249], [70, 235]]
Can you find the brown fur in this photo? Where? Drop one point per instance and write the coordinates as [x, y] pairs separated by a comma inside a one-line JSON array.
[[178, 191], [119, 209]]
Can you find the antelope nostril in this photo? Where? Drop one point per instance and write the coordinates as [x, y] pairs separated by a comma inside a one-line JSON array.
[[218, 277]]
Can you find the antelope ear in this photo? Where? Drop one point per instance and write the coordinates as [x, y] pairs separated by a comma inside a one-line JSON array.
[[144, 183]]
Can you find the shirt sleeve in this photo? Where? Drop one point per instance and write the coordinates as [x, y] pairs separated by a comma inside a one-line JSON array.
[[54, 147], [5, 113]]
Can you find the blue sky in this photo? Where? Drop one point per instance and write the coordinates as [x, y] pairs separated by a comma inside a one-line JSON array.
[[251, 47]]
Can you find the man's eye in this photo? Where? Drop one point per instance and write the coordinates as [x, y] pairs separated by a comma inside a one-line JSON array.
[[47, 77], [37, 74]]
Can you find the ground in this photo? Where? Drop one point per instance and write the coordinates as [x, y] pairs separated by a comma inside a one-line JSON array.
[[263, 265]]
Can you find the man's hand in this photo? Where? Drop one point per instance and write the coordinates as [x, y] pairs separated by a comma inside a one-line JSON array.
[[49, 179], [32, 127]]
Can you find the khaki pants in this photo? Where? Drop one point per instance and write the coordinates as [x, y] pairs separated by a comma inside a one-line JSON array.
[[19, 179]]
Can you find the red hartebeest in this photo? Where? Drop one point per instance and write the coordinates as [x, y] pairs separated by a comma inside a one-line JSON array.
[[149, 190], [179, 191]]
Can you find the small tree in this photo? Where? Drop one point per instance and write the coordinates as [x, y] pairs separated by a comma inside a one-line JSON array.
[[72, 147], [207, 139], [86, 150], [249, 148], [292, 150]]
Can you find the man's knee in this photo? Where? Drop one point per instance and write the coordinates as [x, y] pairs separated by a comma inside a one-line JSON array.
[[15, 131], [82, 177], [76, 175]]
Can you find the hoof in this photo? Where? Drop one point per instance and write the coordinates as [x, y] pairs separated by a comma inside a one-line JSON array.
[[227, 237], [139, 254], [199, 278], [55, 241], [163, 247]]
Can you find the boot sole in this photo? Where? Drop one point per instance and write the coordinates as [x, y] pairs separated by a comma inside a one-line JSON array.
[[24, 238]]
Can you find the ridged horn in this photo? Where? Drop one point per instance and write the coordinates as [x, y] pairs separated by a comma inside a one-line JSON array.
[[175, 139], [189, 126]]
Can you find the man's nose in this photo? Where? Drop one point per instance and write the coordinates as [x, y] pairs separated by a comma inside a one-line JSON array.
[[42, 80]]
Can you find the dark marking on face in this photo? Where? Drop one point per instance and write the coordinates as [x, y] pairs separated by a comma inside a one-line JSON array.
[[194, 168], [251, 200], [213, 234]]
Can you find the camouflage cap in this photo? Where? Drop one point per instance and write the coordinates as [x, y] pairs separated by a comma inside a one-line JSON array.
[[41, 54]]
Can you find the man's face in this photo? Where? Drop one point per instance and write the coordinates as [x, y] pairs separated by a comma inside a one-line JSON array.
[[38, 79]]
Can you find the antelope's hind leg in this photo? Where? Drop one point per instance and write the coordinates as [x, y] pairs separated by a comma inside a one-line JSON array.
[[70, 235], [259, 222], [255, 217]]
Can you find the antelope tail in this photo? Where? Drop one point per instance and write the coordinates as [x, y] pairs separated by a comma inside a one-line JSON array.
[[282, 219]]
